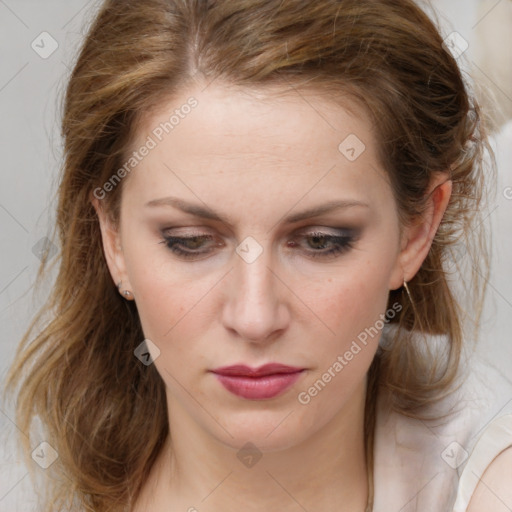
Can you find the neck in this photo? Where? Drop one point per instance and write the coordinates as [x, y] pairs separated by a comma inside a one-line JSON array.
[[197, 472]]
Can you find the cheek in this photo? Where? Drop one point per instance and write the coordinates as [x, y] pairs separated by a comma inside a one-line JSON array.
[[168, 313], [352, 300], [352, 306], [165, 299], [354, 311]]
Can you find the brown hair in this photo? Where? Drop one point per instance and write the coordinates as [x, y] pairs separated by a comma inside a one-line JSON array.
[[103, 412]]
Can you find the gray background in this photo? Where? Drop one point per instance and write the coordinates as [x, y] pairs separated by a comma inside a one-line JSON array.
[[30, 89]]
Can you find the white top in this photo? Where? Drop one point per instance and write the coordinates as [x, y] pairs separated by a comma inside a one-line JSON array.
[[435, 466], [496, 438], [417, 469]]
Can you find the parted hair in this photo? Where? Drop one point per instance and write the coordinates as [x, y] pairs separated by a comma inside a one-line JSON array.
[[104, 412]]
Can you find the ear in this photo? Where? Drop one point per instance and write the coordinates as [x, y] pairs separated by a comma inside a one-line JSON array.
[[417, 238], [112, 247]]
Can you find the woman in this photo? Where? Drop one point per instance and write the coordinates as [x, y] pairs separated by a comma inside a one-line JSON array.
[[257, 208]]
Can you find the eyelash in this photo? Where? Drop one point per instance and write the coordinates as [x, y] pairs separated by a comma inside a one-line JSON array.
[[341, 243]]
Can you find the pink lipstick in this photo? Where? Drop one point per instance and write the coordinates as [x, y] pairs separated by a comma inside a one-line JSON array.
[[267, 381]]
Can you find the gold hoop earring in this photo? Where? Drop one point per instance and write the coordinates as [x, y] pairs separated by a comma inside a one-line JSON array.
[[408, 292]]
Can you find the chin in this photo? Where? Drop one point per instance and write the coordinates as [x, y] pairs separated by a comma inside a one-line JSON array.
[[269, 431]]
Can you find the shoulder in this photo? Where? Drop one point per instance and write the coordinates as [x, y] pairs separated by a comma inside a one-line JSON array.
[[494, 489], [486, 480]]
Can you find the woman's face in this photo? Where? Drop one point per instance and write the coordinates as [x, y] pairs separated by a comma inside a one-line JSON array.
[[293, 247]]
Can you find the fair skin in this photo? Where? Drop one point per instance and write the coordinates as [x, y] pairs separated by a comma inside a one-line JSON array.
[[256, 159], [494, 490]]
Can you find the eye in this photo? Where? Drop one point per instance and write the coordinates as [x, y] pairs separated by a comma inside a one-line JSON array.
[[326, 245], [321, 244], [191, 244]]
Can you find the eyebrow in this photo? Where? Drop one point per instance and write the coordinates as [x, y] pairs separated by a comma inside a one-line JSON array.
[[207, 213]]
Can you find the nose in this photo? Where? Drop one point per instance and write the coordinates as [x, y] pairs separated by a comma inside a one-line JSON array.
[[255, 305]]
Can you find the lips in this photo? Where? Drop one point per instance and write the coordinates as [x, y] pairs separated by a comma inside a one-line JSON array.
[[240, 370], [261, 383]]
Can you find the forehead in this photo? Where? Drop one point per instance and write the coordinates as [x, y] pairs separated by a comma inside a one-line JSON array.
[[273, 116], [276, 144]]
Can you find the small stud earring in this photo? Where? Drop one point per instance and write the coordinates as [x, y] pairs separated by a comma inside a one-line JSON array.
[[128, 294]]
